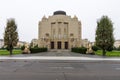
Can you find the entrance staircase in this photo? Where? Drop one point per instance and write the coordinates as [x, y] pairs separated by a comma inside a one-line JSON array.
[[59, 50]]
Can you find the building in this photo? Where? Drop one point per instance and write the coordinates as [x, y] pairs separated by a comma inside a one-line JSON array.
[[59, 31], [34, 42], [20, 44], [93, 43], [1, 43], [85, 43], [117, 43]]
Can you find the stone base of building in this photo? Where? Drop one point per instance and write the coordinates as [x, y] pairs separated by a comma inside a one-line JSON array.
[[59, 50]]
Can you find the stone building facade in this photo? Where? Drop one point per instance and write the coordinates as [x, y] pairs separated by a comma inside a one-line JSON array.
[[59, 31], [34, 42], [117, 43], [1, 43], [85, 43]]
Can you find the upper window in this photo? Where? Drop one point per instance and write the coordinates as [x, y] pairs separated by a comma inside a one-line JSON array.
[[71, 35], [47, 35]]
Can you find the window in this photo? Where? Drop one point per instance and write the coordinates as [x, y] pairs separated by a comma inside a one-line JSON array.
[[71, 35], [47, 35]]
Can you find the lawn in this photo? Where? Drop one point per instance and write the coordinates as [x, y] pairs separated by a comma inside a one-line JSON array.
[[5, 52], [110, 54]]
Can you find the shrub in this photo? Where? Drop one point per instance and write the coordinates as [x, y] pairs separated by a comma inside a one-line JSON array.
[[17, 48], [36, 46], [3, 48], [37, 50], [95, 48], [109, 48], [81, 50], [114, 48], [23, 47], [8, 48], [118, 48]]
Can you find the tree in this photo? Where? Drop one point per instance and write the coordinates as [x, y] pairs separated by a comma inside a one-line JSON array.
[[10, 35], [104, 34]]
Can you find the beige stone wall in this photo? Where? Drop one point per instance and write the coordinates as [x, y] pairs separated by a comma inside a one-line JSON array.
[[1, 43], [85, 43], [59, 28], [34, 42]]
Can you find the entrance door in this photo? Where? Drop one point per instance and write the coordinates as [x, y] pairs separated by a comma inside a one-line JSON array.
[[66, 45], [52, 45], [59, 45]]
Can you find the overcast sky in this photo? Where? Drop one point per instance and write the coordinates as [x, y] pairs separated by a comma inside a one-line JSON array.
[[28, 13]]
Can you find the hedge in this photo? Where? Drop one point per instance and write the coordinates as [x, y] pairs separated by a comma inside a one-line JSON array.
[[81, 50], [37, 50], [95, 48]]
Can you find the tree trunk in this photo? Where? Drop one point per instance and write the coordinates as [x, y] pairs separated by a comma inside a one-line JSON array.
[[10, 51], [104, 52]]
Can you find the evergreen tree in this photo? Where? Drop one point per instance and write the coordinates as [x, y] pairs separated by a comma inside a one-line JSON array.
[[104, 34], [10, 35]]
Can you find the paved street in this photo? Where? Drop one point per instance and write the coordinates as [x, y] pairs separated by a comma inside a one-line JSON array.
[[37, 69]]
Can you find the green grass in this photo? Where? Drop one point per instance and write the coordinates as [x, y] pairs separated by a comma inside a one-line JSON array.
[[5, 52], [110, 54]]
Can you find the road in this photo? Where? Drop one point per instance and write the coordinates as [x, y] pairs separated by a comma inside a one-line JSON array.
[[64, 66], [59, 70]]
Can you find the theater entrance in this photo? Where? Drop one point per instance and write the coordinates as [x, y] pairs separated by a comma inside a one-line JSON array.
[[52, 45], [66, 45], [59, 45]]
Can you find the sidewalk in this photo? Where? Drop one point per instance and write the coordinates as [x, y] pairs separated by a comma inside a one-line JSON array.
[[57, 58]]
